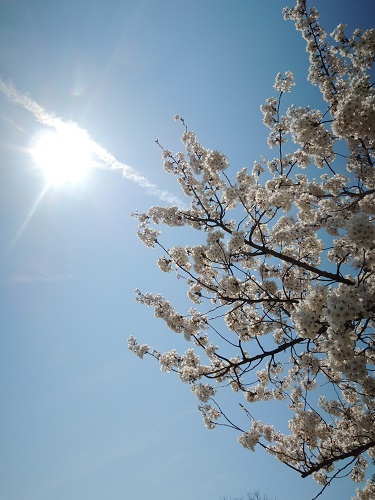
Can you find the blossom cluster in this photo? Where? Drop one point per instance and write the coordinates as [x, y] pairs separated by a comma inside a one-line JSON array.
[[282, 274]]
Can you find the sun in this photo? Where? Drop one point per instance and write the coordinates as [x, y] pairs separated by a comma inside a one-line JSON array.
[[64, 155]]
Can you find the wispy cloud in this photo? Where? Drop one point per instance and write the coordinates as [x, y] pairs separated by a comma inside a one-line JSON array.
[[46, 118]]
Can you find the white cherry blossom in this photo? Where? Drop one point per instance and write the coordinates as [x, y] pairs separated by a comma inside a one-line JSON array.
[[282, 269]]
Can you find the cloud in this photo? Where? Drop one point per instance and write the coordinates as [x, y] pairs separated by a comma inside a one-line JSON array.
[[45, 118]]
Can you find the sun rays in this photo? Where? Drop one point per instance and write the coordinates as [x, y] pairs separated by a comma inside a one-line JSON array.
[[63, 155]]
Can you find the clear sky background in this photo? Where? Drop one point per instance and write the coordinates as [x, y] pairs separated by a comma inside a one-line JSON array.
[[81, 417]]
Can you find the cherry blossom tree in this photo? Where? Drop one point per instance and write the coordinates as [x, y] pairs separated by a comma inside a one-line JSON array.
[[255, 495], [282, 274]]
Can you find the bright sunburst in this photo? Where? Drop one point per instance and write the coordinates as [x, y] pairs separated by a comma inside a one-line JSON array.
[[64, 155]]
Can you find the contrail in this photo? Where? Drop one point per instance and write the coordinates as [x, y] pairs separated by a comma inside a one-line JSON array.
[[49, 119]]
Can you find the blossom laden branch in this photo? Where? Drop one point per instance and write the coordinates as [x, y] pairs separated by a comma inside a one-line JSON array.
[[282, 271]]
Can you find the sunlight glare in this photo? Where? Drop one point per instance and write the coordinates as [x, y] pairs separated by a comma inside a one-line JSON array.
[[64, 155]]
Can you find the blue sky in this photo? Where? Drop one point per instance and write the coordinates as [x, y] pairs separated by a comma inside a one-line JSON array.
[[82, 418]]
